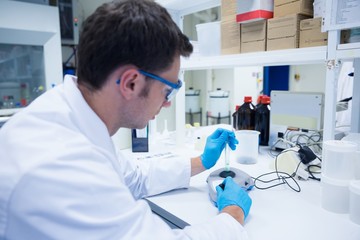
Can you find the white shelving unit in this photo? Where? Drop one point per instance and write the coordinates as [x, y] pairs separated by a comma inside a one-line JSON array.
[[337, 17], [297, 56], [331, 55]]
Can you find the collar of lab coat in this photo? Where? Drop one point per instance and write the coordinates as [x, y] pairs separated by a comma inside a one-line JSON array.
[[87, 120]]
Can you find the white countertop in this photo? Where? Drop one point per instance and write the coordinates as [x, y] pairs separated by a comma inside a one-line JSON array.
[[276, 213]]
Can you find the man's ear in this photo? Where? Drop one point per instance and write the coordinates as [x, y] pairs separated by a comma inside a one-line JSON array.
[[131, 83]]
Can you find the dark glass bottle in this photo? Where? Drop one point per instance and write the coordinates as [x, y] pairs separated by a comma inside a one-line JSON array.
[[258, 101], [246, 116], [262, 120], [235, 117]]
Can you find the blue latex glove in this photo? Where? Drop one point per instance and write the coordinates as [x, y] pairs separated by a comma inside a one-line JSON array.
[[233, 194], [215, 144]]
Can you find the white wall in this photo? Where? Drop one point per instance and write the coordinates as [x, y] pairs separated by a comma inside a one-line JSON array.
[[311, 78], [247, 82]]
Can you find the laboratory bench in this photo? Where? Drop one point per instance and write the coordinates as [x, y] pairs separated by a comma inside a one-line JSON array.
[[276, 213]]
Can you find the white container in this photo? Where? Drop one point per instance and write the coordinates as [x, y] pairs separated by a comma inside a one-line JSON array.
[[357, 165], [209, 38], [219, 103], [354, 201], [338, 159], [254, 10], [192, 101], [247, 151], [335, 194], [353, 137]]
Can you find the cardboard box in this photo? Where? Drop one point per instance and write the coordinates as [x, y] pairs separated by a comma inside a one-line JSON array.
[[253, 36], [254, 10], [289, 7], [310, 33], [230, 29], [255, 46], [228, 9], [230, 36], [283, 32]]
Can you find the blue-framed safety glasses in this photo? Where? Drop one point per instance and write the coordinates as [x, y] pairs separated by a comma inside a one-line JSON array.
[[174, 86]]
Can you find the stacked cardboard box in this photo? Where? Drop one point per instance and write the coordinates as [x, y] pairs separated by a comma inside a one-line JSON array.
[[283, 32], [252, 16], [230, 29], [253, 36], [289, 7], [310, 33]]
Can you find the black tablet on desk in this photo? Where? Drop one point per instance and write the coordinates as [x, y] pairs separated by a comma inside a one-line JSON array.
[[173, 221]]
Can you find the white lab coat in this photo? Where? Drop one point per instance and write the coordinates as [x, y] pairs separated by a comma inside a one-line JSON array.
[[60, 178]]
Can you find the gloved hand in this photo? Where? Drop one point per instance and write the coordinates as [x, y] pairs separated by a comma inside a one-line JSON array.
[[215, 143], [233, 194]]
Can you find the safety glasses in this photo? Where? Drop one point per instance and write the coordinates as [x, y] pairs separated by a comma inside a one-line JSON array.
[[174, 86]]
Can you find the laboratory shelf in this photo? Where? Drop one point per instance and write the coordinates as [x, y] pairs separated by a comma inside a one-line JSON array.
[[185, 7], [331, 55], [297, 56], [348, 51]]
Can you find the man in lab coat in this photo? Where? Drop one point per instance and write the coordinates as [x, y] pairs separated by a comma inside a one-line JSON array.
[[60, 176]]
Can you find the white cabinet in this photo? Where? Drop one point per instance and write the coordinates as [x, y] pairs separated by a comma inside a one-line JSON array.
[[330, 55], [30, 51], [22, 75]]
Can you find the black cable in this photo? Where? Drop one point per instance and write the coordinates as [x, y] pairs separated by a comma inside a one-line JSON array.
[[312, 173], [315, 137], [282, 176], [272, 149]]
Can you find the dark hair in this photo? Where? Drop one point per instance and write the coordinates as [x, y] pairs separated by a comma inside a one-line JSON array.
[[138, 32]]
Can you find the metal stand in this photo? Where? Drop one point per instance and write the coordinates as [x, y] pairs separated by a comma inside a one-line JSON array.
[[218, 118], [191, 115]]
